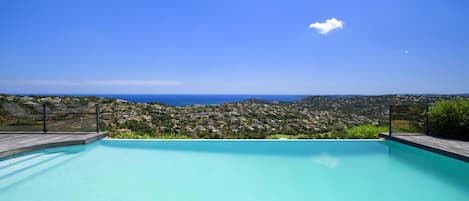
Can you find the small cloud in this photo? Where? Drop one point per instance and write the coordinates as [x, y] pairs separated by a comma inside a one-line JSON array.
[[36, 82], [95, 82], [406, 51], [326, 27], [134, 82]]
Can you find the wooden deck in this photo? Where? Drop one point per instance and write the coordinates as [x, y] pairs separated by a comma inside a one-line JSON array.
[[12, 143], [453, 148]]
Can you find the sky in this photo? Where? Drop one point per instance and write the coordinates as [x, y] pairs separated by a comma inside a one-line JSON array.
[[234, 46]]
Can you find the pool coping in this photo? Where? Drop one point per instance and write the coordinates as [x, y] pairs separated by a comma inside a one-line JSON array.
[[433, 149], [234, 140], [85, 138]]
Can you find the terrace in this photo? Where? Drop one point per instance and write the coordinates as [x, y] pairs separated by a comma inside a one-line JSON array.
[[12, 143], [453, 148], [32, 126]]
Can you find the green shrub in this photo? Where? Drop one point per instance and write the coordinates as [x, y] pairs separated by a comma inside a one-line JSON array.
[[170, 136], [450, 119], [364, 132], [130, 135]]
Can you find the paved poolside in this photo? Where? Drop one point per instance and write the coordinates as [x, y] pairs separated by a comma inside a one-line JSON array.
[[453, 148], [12, 143]]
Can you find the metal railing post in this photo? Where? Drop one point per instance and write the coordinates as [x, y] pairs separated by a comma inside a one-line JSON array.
[[390, 120], [44, 118], [97, 118], [427, 130]]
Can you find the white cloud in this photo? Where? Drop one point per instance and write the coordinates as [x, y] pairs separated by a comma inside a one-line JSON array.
[[134, 82], [325, 27], [36, 82], [94, 82]]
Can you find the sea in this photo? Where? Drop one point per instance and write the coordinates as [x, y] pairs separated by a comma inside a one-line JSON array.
[[191, 99], [206, 99]]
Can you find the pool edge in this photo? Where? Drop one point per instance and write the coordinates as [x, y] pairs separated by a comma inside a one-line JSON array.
[[427, 148]]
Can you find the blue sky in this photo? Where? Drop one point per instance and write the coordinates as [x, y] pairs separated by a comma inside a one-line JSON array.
[[234, 47]]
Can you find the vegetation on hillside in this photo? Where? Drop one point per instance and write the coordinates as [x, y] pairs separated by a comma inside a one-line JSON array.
[[143, 135], [450, 119], [364, 132], [314, 117], [358, 132]]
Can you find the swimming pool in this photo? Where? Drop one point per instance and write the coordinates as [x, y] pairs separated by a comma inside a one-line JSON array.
[[214, 170]]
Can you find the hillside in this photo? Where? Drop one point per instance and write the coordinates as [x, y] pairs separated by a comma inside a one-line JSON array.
[[246, 119]]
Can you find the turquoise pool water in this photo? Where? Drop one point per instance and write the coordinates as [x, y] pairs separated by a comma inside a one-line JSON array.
[[133, 170]]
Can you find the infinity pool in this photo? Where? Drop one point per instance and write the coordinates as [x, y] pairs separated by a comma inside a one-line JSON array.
[[240, 170]]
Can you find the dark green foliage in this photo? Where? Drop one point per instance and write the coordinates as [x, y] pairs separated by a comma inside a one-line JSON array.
[[450, 119]]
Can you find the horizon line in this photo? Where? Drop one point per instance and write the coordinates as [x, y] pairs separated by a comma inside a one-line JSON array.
[[211, 94]]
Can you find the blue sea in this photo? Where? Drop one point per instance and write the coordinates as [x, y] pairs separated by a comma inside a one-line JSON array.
[[193, 99]]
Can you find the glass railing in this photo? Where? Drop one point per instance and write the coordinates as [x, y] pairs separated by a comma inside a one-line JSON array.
[[409, 119], [37, 115]]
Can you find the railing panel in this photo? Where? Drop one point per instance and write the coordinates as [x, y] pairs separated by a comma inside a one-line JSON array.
[[20, 117], [71, 118], [48, 114], [410, 119]]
